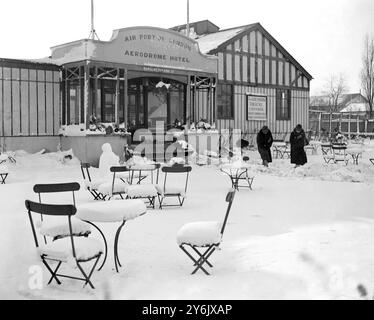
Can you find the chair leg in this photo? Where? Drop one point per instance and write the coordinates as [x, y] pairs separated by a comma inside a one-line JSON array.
[[160, 200], [199, 265], [85, 276], [53, 273], [201, 255], [92, 270], [204, 258]]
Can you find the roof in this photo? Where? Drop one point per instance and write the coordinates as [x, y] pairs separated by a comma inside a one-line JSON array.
[[45, 63], [347, 102], [193, 23], [214, 42]]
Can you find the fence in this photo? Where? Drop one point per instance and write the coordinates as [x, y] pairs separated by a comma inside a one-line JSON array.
[[348, 123]]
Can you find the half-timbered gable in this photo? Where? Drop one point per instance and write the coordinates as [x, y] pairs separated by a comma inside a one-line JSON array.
[[253, 63]]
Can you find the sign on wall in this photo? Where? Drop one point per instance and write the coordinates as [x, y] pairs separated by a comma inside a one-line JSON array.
[[256, 107], [147, 47]]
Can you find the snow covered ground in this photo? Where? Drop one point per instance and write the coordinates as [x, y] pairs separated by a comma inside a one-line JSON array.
[[299, 234]]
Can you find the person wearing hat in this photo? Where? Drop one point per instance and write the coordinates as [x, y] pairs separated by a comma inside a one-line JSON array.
[[298, 141], [264, 143]]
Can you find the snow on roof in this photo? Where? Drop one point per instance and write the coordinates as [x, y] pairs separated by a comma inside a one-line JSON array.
[[356, 107], [214, 40]]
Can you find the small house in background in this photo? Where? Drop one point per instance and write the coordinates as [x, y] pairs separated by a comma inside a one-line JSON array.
[[349, 116], [350, 102]]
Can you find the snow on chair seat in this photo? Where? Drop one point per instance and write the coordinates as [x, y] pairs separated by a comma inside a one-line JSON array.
[[113, 211], [142, 191], [59, 229], [109, 188], [201, 234], [85, 249], [171, 190]]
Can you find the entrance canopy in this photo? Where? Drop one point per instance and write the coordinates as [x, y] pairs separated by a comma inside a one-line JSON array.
[[152, 49], [141, 76]]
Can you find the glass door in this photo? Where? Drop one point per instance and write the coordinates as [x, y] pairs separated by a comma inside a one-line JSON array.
[[108, 99], [157, 107]]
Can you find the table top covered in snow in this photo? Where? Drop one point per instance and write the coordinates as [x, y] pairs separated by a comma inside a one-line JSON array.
[[111, 211]]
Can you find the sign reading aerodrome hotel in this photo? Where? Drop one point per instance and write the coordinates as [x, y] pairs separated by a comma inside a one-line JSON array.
[[149, 47]]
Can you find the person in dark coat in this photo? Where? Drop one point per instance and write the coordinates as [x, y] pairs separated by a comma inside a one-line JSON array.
[[298, 140], [264, 143]]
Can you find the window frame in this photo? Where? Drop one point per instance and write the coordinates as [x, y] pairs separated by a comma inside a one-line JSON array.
[[225, 111], [283, 105]]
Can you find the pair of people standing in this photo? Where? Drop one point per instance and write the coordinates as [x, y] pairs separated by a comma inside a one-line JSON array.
[[297, 140]]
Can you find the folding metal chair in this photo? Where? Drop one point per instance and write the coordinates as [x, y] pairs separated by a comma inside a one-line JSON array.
[[58, 231], [166, 191], [65, 250], [118, 186], [144, 191], [206, 236], [327, 153], [340, 154], [91, 186]]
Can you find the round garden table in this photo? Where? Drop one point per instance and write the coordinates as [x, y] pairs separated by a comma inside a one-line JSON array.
[[115, 211]]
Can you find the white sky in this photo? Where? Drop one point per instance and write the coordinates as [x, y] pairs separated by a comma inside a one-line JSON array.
[[325, 36]]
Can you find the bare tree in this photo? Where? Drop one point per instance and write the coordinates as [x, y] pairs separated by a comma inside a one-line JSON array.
[[334, 88], [367, 71]]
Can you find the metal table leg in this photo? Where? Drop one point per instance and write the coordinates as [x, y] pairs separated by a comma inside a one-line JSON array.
[[116, 258], [105, 243]]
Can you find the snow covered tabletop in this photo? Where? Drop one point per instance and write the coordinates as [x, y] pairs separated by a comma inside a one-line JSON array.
[[355, 149], [237, 165], [279, 144], [201, 233], [143, 167], [111, 211]]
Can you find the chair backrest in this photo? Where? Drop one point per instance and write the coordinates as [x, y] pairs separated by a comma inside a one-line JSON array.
[[56, 187], [67, 210], [115, 169], [177, 169], [229, 198]]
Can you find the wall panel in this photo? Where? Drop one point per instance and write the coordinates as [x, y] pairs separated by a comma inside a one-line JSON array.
[[25, 108], [7, 106], [16, 119]]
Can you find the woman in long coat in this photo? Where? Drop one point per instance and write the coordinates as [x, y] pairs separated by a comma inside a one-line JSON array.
[[298, 141], [264, 143]]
